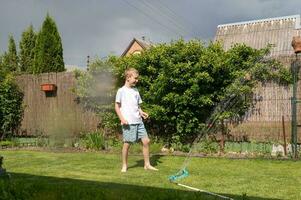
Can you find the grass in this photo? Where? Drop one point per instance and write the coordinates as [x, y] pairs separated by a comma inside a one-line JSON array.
[[79, 175]]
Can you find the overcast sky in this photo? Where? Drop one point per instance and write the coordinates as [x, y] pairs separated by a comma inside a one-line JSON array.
[[102, 27]]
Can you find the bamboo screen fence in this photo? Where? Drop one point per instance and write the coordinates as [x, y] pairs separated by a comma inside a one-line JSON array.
[[272, 102], [55, 111]]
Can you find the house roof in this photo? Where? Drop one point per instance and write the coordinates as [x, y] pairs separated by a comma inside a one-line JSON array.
[[144, 45], [277, 31]]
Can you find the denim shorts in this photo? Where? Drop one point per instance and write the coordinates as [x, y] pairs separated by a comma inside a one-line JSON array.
[[133, 132]]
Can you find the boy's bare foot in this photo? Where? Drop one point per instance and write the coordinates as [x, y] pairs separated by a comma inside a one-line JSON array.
[[149, 167], [123, 169]]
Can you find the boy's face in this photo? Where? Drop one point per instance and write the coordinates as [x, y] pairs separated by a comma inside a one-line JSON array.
[[133, 79]]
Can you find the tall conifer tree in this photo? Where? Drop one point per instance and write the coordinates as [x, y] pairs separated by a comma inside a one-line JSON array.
[[48, 50], [10, 58], [27, 45]]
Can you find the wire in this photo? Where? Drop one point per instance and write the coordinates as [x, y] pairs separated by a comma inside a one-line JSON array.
[[165, 15], [149, 16], [183, 19], [230, 103]]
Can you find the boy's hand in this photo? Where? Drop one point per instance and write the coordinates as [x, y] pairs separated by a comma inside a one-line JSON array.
[[124, 122], [144, 115]]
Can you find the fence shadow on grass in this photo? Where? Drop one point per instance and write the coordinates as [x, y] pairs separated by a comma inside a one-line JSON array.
[[26, 186]]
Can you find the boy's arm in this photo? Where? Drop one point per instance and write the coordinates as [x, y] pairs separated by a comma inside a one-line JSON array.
[[144, 115], [117, 109]]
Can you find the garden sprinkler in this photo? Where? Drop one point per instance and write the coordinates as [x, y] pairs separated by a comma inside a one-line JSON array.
[[181, 174], [211, 124]]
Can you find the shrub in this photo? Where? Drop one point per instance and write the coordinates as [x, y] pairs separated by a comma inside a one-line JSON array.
[[94, 140], [7, 143], [11, 109], [181, 83], [207, 146]]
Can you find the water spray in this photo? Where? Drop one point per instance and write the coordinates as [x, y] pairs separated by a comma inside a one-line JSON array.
[[227, 104]]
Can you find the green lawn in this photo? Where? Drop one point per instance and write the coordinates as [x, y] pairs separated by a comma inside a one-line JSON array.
[[58, 175]]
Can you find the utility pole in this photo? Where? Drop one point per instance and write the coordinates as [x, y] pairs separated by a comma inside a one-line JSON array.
[[88, 62]]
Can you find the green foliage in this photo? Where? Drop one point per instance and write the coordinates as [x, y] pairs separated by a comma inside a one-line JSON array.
[[27, 45], [11, 109], [12, 190], [207, 146], [10, 58], [177, 144], [48, 54], [94, 140], [7, 143], [252, 147], [42, 141], [109, 121], [182, 82]]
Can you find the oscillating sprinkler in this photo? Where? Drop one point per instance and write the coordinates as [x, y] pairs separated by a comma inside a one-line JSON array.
[[181, 174]]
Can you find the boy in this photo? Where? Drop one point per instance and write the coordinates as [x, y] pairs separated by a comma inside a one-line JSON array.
[[128, 110]]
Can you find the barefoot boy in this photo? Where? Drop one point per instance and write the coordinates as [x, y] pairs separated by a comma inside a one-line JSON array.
[[130, 114]]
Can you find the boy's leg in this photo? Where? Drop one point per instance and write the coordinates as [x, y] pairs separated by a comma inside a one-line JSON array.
[[145, 144], [129, 136], [142, 134], [125, 152]]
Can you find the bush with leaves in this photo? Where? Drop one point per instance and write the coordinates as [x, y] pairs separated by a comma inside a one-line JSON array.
[[11, 109], [94, 140], [182, 82]]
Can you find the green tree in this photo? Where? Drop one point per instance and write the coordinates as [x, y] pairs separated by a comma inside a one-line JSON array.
[[11, 109], [10, 58], [27, 45], [1, 64], [48, 49]]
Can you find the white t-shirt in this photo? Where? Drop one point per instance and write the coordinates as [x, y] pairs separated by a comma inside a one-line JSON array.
[[129, 98]]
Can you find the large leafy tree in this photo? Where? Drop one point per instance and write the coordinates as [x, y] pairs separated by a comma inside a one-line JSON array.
[[27, 45], [48, 50], [11, 109], [182, 83], [10, 57], [11, 98]]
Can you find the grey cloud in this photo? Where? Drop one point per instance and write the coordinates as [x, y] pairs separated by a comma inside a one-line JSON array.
[[101, 27]]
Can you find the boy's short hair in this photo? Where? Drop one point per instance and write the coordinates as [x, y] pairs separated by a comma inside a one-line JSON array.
[[130, 71]]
